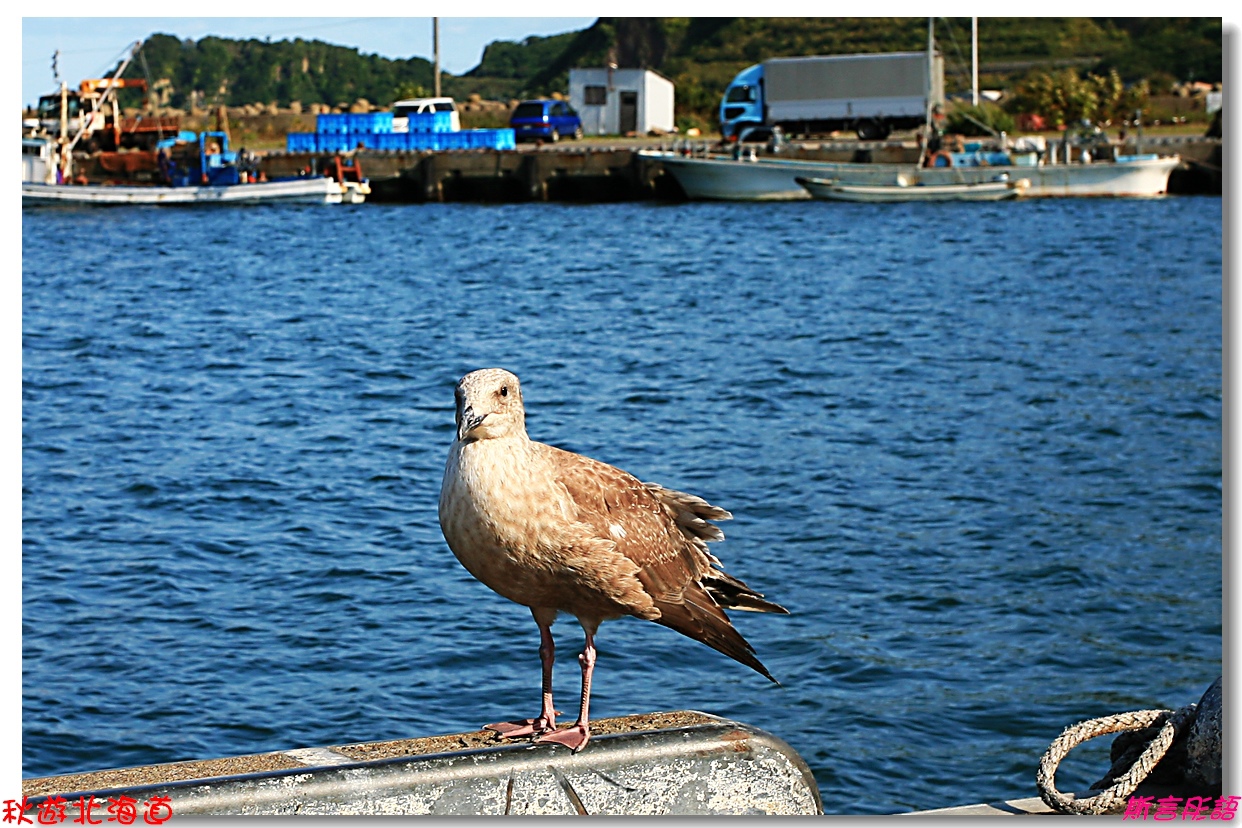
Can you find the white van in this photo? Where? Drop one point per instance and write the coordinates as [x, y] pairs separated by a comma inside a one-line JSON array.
[[401, 111]]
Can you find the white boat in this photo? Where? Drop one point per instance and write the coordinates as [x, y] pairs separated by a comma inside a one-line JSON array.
[[906, 190], [317, 190], [347, 172], [40, 174], [354, 192], [775, 179]]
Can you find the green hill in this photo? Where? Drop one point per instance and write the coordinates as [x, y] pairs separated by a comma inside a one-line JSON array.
[[700, 55]]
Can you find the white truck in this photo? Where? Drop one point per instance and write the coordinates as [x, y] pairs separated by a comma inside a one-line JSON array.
[[872, 94]]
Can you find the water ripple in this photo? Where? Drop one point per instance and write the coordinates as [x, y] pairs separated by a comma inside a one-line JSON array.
[[975, 449]]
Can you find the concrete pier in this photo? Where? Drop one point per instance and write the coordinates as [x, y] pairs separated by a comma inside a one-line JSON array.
[[579, 174], [661, 763], [601, 173]]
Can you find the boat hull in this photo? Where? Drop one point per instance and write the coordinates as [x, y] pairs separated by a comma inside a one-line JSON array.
[[298, 190], [829, 190], [775, 179]]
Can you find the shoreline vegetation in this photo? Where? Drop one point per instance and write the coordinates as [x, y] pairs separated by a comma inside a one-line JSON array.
[[1064, 69]]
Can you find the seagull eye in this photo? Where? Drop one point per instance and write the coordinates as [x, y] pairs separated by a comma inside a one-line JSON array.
[[504, 390]]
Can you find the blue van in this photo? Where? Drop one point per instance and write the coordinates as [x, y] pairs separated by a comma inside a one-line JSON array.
[[548, 120]]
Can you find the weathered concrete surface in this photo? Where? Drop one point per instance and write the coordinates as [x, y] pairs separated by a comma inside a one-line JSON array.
[[673, 763]]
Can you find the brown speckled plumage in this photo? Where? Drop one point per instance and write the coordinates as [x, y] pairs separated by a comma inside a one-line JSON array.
[[560, 532]]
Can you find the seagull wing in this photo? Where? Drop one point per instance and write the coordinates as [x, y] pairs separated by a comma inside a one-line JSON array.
[[663, 533]]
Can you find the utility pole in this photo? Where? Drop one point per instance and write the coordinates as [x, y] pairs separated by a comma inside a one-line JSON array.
[[974, 61], [435, 46]]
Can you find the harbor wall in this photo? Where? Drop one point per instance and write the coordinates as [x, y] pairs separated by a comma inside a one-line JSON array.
[[587, 173]]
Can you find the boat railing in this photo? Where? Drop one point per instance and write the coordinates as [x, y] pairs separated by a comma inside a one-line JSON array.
[[690, 148]]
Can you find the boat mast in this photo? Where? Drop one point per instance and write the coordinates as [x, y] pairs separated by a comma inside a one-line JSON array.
[[927, 104]]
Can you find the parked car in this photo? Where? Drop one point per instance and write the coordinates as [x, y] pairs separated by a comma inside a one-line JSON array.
[[532, 120]]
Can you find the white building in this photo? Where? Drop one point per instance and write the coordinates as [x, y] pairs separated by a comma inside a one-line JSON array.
[[620, 101]]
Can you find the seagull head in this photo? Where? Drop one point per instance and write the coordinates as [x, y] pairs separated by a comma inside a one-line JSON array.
[[489, 404]]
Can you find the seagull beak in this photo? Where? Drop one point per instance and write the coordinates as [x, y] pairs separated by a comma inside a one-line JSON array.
[[468, 422]]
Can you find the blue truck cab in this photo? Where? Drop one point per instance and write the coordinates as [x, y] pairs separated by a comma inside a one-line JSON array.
[[742, 106]]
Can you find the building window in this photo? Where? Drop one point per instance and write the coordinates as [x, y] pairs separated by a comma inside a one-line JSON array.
[[595, 95]]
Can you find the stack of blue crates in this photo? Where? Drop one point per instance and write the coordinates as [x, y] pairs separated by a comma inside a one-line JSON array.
[[301, 142], [430, 131], [430, 122]]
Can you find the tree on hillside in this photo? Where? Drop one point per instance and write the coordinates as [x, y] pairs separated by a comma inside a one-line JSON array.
[[1066, 98]]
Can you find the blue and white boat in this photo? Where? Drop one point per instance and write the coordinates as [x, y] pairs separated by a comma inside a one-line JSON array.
[[212, 175]]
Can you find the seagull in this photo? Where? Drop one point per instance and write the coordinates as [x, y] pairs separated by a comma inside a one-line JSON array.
[[559, 532]]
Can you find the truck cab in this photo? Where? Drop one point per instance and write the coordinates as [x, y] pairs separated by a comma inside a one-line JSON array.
[[741, 110]]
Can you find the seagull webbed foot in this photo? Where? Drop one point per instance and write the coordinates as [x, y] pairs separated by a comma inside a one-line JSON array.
[[574, 737], [522, 727]]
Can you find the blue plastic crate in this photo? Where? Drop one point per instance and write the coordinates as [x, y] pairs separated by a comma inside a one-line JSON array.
[[369, 140], [424, 141], [370, 123], [494, 139], [431, 122], [388, 141], [503, 139], [334, 143], [374, 123], [420, 122], [332, 124], [300, 142]]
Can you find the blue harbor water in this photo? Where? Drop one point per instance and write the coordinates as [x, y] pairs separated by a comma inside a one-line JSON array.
[[974, 449]]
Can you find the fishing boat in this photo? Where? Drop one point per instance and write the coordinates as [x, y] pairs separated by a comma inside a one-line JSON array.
[[214, 180], [905, 190], [720, 177], [185, 168], [750, 177]]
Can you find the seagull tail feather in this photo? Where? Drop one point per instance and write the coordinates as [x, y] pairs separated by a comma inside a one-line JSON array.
[[698, 617], [731, 593]]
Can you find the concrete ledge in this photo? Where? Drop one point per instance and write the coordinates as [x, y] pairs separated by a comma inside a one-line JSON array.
[[662, 763]]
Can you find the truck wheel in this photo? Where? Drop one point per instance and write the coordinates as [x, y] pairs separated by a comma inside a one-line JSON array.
[[751, 132], [870, 130]]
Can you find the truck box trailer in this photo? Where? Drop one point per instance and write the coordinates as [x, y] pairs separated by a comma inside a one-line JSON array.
[[872, 94]]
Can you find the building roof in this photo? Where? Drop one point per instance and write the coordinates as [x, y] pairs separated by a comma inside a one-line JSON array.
[[622, 69]]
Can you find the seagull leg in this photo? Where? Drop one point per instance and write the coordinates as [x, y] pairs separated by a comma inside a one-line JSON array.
[[547, 717], [577, 735]]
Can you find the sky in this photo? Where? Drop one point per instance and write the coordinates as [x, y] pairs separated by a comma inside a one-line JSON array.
[[91, 45]]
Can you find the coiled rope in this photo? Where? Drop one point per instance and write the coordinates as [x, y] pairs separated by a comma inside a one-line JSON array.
[[1174, 723]]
